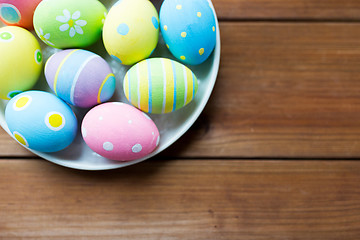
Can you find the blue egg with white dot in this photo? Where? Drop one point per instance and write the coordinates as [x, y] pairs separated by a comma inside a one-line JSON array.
[[189, 29], [41, 121]]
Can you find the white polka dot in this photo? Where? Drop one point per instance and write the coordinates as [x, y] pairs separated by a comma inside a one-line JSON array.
[[130, 122], [158, 141], [136, 148], [84, 133], [108, 146], [101, 118], [153, 133]]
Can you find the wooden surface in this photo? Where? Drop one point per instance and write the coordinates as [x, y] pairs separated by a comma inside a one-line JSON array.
[[182, 199], [331, 10], [274, 155]]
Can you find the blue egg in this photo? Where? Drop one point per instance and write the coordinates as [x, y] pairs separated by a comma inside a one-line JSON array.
[[41, 121], [189, 29]]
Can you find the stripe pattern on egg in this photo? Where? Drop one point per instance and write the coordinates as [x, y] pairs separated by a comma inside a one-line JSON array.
[[80, 77], [160, 85]]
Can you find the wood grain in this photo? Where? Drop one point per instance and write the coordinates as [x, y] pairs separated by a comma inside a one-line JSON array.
[[288, 87], [288, 10], [182, 199], [288, 90], [285, 10], [284, 90]]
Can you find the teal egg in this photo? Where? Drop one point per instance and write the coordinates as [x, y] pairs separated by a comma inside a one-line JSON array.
[[189, 29], [41, 121]]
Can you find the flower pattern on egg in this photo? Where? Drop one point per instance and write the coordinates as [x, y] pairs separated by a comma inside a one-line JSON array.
[[71, 22], [44, 36], [103, 20]]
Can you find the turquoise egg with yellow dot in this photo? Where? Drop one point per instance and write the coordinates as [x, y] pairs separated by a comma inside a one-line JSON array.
[[21, 61], [131, 31], [189, 29], [41, 121]]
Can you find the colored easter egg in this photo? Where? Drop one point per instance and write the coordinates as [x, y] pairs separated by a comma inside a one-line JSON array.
[[80, 77], [18, 12], [159, 85], [41, 121], [131, 31], [189, 29], [119, 131], [68, 23], [21, 61]]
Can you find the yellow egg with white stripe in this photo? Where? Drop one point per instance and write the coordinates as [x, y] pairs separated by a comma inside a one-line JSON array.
[[160, 85]]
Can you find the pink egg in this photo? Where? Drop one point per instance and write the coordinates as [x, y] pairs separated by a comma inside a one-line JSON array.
[[18, 12], [119, 131]]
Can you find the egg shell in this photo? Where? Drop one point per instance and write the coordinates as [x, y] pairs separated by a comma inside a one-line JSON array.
[[160, 85], [68, 23], [21, 61], [41, 121], [80, 77], [119, 131], [189, 29], [18, 12], [131, 31]]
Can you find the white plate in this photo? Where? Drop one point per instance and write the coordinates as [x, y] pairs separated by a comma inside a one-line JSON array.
[[171, 126]]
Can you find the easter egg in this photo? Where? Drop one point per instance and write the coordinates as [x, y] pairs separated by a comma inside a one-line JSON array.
[[41, 121], [131, 31], [159, 85], [80, 77], [119, 131], [21, 61], [18, 12], [69, 24], [189, 29]]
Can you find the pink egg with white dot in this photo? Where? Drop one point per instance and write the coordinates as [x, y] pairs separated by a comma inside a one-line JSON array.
[[119, 131]]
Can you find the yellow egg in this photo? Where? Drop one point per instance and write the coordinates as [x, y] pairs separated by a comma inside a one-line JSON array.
[[21, 61], [131, 31]]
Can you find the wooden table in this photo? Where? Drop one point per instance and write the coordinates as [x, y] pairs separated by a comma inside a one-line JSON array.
[[273, 156]]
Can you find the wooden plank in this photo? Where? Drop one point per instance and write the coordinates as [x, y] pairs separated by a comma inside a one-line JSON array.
[[346, 10], [182, 199], [284, 90], [288, 10], [9, 147]]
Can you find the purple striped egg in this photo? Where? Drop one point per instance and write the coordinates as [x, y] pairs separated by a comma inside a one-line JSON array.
[[79, 77]]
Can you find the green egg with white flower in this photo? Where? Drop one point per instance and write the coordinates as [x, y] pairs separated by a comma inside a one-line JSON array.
[[68, 23]]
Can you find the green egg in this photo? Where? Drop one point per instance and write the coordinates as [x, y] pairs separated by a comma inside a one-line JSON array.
[[68, 23]]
